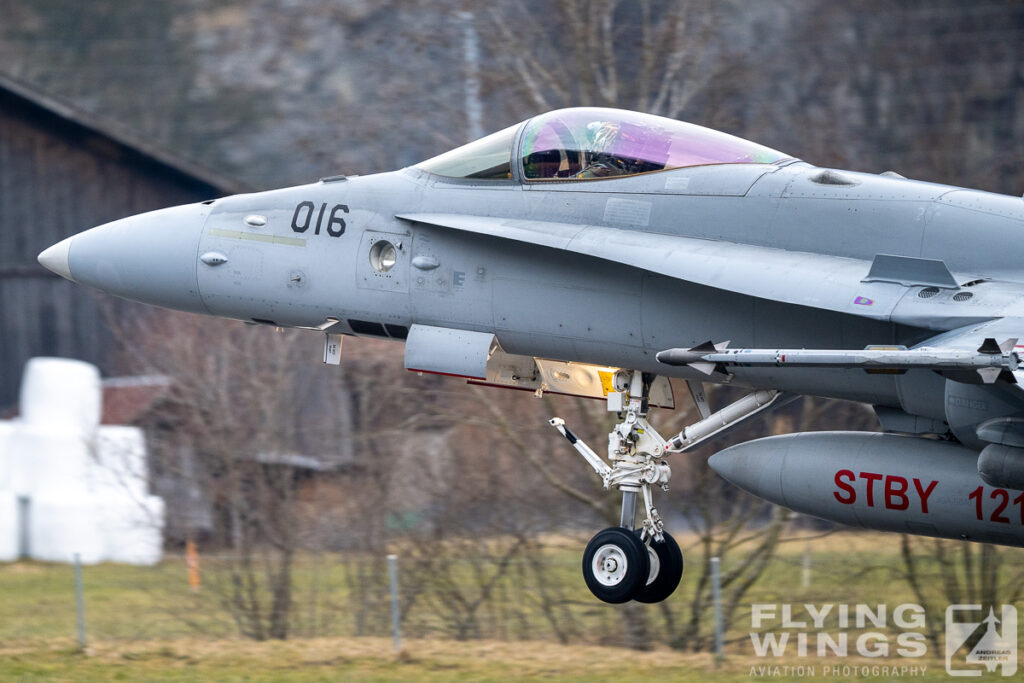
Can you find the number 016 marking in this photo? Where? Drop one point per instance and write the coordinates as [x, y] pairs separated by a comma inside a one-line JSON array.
[[303, 218]]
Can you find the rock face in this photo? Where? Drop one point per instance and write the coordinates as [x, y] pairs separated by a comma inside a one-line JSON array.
[[279, 92], [69, 485]]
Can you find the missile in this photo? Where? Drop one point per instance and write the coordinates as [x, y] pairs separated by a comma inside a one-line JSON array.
[[885, 482], [694, 357], [990, 360]]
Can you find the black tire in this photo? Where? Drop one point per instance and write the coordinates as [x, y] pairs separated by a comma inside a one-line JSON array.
[[616, 565], [668, 572]]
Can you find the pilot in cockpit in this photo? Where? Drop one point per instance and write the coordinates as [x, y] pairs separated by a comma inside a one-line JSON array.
[[601, 162]]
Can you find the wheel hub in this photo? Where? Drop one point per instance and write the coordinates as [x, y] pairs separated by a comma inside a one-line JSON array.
[[655, 565], [609, 565]]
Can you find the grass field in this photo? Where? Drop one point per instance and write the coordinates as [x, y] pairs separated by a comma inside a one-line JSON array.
[[372, 659], [145, 624]]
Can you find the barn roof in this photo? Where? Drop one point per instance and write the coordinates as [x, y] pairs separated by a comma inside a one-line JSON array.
[[48, 109], [127, 400]]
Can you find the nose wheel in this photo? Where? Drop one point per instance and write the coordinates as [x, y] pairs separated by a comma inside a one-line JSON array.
[[666, 562], [616, 565]]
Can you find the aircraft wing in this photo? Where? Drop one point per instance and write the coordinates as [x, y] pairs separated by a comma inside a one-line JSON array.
[[869, 289]]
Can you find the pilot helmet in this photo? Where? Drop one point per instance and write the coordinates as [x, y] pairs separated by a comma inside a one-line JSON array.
[[602, 135]]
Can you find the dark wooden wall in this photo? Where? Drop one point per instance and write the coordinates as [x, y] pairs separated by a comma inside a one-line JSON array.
[[57, 178]]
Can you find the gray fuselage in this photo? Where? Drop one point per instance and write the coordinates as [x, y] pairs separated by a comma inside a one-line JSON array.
[[561, 305]]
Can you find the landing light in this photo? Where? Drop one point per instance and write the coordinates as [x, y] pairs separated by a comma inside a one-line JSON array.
[[383, 256]]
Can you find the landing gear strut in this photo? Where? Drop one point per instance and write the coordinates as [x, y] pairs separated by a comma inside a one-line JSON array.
[[644, 564], [623, 563]]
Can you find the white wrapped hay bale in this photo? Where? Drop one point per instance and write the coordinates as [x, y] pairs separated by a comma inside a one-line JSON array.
[[6, 473], [55, 462], [61, 393], [131, 530], [61, 526], [85, 487], [119, 465], [9, 527]]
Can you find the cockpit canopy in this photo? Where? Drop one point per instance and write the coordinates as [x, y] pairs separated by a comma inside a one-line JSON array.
[[592, 143]]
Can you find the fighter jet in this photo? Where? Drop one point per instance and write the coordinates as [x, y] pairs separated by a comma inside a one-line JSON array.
[[598, 252]]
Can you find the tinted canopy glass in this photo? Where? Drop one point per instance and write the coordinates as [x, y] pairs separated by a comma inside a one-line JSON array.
[[600, 143], [489, 158]]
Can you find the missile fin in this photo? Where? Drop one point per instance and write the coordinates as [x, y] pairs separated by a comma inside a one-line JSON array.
[[707, 346], [989, 375], [700, 400], [989, 346], [1008, 345], [706, 368]]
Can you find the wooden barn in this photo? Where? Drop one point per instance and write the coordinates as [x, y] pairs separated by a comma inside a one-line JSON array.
[[63, 171]]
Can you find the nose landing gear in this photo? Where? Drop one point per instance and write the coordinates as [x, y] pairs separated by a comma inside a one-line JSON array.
[[611, 564], [620, 563]]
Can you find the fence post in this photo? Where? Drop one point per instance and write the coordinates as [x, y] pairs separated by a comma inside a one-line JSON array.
[[192, 566], [805, 567], [79, 601], [395, 615], [716, 597]]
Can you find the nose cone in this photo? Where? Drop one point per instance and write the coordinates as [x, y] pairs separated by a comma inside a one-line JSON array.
[[56, 258], [150, 258], [755, 466]]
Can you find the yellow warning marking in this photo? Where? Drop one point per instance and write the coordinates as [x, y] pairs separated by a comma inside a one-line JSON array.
[[606, 381], [269, 239]]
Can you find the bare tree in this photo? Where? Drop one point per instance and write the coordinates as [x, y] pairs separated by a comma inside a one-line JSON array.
[[648, 55], [942, 573], [238, 407]]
